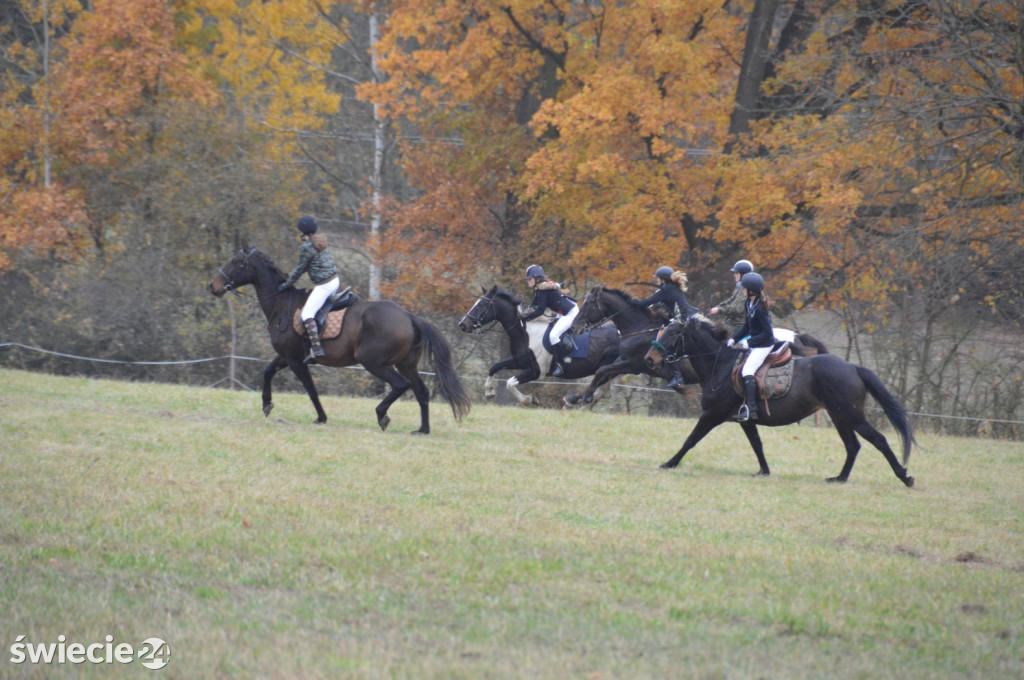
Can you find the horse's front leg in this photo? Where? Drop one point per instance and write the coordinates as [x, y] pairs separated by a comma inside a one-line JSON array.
[[490, 391], [269, 372], [531, 373], [301, 372], [750, 429], [605, 374], [704, 425]]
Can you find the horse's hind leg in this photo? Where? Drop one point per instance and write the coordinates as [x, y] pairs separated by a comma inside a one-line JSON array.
[[268, 376], [398, 384], [846, 433], [422, 396], [879, 441]]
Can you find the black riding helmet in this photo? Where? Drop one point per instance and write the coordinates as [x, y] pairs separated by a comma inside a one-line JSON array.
[[534, 271], [663, 273], [752, 281], [307, 224]]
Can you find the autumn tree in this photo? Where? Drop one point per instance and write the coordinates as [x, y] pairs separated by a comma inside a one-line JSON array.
[[77, 85]]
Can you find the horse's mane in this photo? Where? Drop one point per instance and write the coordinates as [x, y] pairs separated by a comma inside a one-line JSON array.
[[716, 329], [627, 298], [507, 296], [270, 263]]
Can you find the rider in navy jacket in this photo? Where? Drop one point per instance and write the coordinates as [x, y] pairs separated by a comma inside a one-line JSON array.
[[671, 294], [549, 295], [757, 335]]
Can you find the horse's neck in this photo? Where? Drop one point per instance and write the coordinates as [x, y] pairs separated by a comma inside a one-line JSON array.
[[266, 285], [505, 313], [625, 317], [711, 360]]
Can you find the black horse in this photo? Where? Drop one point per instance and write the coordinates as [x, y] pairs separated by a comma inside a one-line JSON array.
[[636, 327], [497, 306], [382, 336], [819, 382]]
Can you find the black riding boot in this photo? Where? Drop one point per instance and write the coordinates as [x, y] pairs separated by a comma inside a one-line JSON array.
[[677, 378], [563, 348], [315, 350], [749, 410]]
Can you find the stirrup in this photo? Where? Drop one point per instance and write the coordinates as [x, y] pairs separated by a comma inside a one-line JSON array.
[[558, 370], [742, 415]]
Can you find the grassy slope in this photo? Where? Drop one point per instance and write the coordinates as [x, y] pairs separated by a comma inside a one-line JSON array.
[[519, 543]]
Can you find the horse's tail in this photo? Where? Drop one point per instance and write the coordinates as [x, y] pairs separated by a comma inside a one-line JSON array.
[[448, 382], [893, 409], [811, 341]]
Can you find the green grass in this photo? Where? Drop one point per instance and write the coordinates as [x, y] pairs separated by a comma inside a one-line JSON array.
[[519, 543]]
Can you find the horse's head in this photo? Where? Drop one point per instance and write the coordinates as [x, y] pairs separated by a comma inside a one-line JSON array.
[[239, 271], [482, 312], [681, 338], [665, 345], [593, 311]]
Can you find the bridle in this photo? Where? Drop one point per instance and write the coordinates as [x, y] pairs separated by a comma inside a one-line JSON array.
[[229, 287], [669, 356], [474, 318], [587, 326]]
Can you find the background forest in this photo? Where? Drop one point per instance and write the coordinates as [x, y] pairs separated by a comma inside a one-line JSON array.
[[866, 155]]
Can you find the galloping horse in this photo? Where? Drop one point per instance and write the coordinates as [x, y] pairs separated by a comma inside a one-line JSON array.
[[636, 328], [819, 382], [497, 306], [382, 336]]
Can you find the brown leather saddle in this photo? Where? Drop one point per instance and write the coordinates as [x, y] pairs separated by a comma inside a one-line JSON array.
[[774, 376]]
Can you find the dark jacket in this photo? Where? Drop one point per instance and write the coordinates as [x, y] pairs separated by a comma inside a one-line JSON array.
[[548, 295], [673, 298], [758, 325], [314, 261]]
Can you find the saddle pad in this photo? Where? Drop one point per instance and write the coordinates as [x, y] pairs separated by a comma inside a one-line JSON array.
[[580, 343], [773, 381], [331, 329]]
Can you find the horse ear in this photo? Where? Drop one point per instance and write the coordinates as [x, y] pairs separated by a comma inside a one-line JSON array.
[[483, 291], [245, 244]]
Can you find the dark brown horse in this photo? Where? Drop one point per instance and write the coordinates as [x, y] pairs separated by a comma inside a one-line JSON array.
[[382, 336], [819, 382]]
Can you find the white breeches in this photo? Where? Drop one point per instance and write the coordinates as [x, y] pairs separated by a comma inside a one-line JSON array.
[[318, 296], [563, 324], [754, 360]]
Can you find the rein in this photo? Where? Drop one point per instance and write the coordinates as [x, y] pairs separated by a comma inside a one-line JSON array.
[[675, 359]]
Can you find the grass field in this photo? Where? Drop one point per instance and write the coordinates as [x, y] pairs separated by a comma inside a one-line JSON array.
[[516, 544]]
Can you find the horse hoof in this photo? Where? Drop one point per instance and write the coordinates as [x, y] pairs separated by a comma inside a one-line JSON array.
[[909, 481], [571, 399], [836, 480], [420, 431], [268, 407], [761, 473], [588, 399], [384, 421], [665, 466], [319, 421]]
